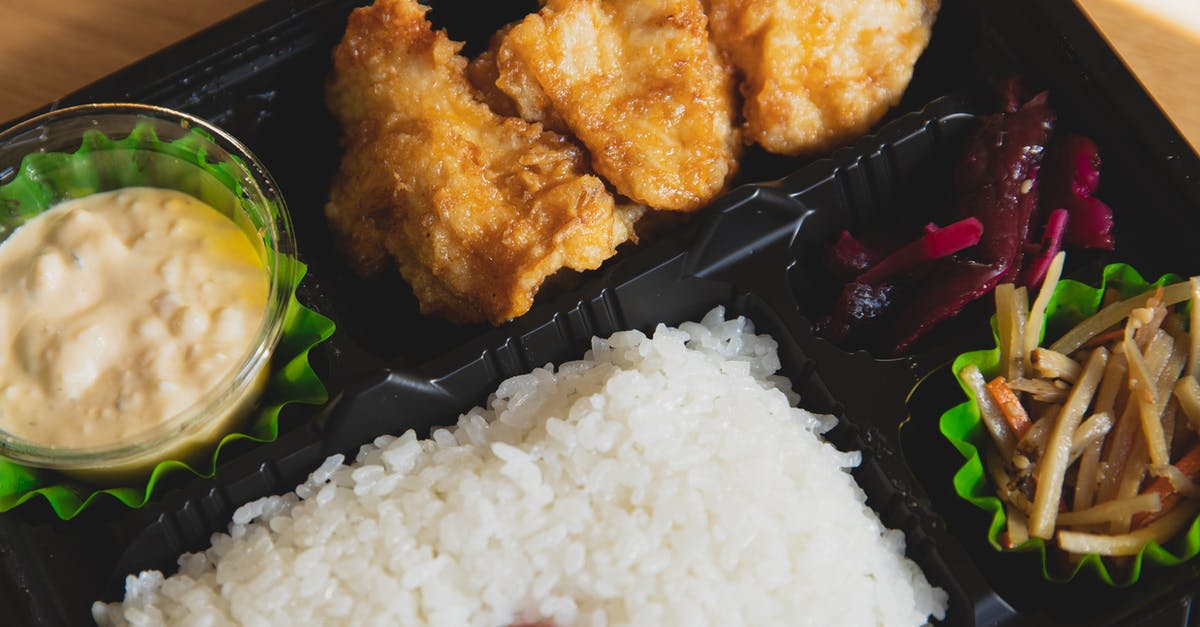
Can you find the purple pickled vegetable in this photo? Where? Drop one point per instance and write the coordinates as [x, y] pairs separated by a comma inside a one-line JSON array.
[[858, 306], [959, 282], [1072, 176], [997, 182], [996, 192], [849, 256], [1052, 237], [1083, 160], [1008, 178], [935, 244], [1091, 224]]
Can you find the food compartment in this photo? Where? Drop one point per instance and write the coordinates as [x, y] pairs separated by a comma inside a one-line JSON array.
[[902, 178], [662, 284], [892, 183], [261, 76], [1149, 170], [739, 258], [1162, 596]]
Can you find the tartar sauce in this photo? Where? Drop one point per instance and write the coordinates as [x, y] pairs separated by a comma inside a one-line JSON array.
[[120, 309]]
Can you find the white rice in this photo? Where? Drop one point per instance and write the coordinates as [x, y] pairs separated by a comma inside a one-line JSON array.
[[664, 481]]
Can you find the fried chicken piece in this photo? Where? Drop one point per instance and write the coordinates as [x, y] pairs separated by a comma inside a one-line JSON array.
[[476, 209], [484, 74], [637, 82], [819, 72]]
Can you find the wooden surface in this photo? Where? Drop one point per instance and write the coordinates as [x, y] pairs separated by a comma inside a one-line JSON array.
[[49, 48], [1160, 41]]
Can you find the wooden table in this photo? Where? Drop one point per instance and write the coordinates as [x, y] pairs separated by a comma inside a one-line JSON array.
[[52, 47], [49, 48], [1160, 41]]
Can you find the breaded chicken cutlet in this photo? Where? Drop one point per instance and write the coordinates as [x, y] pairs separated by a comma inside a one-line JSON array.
[[476, 209], [817, 73], [637, 82]]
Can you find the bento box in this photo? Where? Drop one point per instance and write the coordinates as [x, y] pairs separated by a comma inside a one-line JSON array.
[[756, 250]]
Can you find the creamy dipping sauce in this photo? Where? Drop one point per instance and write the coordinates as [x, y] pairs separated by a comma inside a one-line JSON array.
[[119, 310]]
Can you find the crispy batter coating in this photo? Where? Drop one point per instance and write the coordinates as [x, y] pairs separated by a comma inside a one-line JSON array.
[[819, 72], [475, 209], [637, 82], [533, 104]]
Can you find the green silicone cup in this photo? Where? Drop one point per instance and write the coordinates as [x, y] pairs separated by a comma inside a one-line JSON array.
[[1072, 302]]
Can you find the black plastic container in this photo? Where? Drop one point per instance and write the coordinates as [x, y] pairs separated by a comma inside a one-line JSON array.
[[261, 74]]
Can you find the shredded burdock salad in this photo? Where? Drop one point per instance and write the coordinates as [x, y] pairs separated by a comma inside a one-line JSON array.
[[1094, 439]]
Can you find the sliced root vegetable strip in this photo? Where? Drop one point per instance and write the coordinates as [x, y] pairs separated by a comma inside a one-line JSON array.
[[1034, 443], [1039, 389], [1088, 478], [1017, 333], [1167, 378], [1159, 532], [1106, 338], [1194, 354], [1010, 406], [1018, 527], [1112, 510], [1175, 325], [1011, 312], [1187, 392], [1058, 449], [1188, 468], [1168, 421], [1006, 486], [1180, 482], [1003, 295], [1042, 264], [1089, 431], [1126, 434], [1141, 385], [989, 412], [1037, 314], [1167, 408], [1130, 481], [1117, 453], [1112, 383], [1128, 428], [1101, 484], [1149, 319], [1052, 365], [1104, 319]]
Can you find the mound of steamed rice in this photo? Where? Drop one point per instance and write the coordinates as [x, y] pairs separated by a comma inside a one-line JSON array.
[[664, 481]]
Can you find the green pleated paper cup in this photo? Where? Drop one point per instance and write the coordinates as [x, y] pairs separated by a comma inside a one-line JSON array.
[[1071, 303], [76, 152]]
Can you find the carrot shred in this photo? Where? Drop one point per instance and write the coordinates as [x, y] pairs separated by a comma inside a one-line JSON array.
[[1010, 406], [1189, 465], [1106, 338]]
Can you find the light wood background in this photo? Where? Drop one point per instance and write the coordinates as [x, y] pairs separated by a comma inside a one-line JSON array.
[[1160, 41], [49, 48]]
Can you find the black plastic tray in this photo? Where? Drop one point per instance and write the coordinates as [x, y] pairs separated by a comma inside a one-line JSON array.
[[261, 74]]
